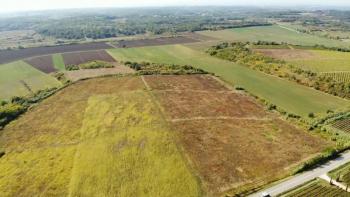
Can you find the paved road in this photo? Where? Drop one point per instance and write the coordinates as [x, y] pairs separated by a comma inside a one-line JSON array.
[[306, 176]]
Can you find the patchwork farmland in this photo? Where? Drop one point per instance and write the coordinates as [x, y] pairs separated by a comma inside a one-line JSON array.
[[273, 33], [77, 58], [43, 63], [301, 101], [13, 55], [20, 79], [156, 41], [162, 145]]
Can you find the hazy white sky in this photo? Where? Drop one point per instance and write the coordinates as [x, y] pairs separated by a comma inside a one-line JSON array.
[[21, 5]]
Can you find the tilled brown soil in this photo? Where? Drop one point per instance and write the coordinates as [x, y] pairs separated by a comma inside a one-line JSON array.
[[86, 56], [12, 55], [43, 63], [156, 42], [287, 54], [232, 141]]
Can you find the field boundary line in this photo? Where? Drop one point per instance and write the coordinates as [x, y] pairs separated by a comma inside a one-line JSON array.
[[290, 29], [195, 91], [218, 118], [145, 83], [112, 45]]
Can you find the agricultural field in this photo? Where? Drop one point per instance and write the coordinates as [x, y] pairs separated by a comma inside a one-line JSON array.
[[155, 42], [58, 62], [130, 153], [343, 125], [77, 75], [272, 33], [13, 55], [25, 38], [42, 63], [298, 99], [131, 136], [341, 174], [77, 58], [339, 76], [19, 79], [318, 188], [332, 64]]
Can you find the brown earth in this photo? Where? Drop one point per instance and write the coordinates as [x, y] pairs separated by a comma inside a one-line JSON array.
[[156, 41], [184, 82], [90, 73], [42, 63], [86, 56], [247, 146], [287, 54], [232, 142], [12, 55]]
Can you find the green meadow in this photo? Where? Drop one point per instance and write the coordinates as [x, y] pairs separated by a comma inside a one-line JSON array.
[[287, 95], [19, 79], [272, 33], [58, 62], [325, 61]]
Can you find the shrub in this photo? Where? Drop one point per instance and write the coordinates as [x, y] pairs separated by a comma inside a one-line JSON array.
[[96, 64], [72, 67]]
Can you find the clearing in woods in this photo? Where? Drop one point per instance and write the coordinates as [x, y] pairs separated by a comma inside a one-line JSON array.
[[13, 76], [149, 144], [272, 33], [287, 95]]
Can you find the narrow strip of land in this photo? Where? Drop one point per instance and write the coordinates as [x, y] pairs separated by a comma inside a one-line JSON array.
[[300, 179], [218, 118]]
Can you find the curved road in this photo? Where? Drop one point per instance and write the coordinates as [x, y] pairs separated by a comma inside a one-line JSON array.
[[299, 179]]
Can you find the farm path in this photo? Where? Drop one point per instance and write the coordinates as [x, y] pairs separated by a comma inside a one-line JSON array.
[[299, 179]]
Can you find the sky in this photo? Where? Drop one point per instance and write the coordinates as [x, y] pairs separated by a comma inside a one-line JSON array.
[[26, 5]]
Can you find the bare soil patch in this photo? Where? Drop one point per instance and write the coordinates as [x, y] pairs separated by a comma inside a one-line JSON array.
[[86, 56], [232, 153], [184, 82], [231, 140], [43, 63], [90, 73], [156, 41], [287, 54], [12, 55], [188, 104]]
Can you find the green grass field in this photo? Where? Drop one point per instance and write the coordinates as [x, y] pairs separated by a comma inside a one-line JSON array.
[[325, 61], [58, 62], [19, 79], [272, 33], [289, 96]]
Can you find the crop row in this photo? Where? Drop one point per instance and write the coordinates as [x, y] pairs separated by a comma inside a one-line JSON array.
[[319, 190], [338, 76], [343, 125]]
